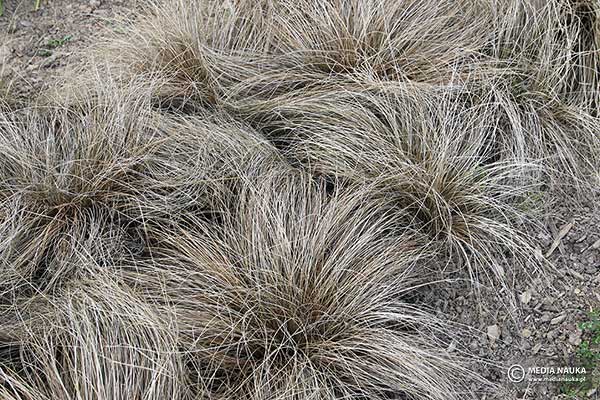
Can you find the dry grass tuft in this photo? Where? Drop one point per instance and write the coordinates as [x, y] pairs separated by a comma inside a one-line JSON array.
[[100, 173], [447, 173], [517, 80], [301, 294], [231, 53], [553, 47], [97, 340]]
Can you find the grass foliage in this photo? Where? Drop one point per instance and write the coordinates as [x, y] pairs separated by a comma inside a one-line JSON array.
[[240, 199]]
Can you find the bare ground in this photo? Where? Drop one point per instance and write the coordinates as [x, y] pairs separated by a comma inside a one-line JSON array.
[[36, 44], [552, 307]]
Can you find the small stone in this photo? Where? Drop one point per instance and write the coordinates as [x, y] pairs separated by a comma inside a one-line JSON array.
[[536, 349], [526, 333], [577, 291], [493, 333], [596, 245], [575, 338], [591, 392], [525, 296], [546, 317], [558, 320], [451, 347]]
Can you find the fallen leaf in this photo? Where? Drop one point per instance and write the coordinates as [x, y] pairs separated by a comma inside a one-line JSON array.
[[563, 232]]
